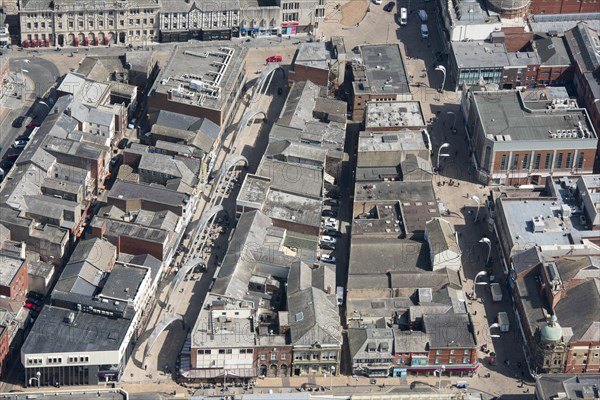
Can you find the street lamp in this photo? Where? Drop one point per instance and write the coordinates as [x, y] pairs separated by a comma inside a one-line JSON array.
[[37, 378], [476, 200], [489, 244], [492, 326], [442, 69], [23, 82], [475, 283], [443, 146], [332, 371], [453, 119], [440, 371]]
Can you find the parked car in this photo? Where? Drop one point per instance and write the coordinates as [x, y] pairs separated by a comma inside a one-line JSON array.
[[377, 2], [331, 202], [328, 239], [2, 173], [329, 213], [132, 123], [18, 122], [328, 258], [23, 138], [332, 232], [36, 296], [7, 165], [115, 161], [333, 194], [19, 144], [403, 17], [389, 6], [424, 31], [273, 59], [423, 15], [123, 143], [327, 246]]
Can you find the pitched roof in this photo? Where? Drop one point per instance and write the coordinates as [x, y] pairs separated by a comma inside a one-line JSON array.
[[580, 311], [314, 318], [440, 236]]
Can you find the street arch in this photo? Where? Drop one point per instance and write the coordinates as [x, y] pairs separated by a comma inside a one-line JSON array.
[[169, 319]]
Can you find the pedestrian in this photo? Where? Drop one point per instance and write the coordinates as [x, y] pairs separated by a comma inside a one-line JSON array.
[[475, 312], [145, 367], [477, 333], [467, 195]]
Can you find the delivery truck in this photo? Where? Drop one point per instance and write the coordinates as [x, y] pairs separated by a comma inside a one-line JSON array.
[[503, 322], [340, 295], [496, 292]]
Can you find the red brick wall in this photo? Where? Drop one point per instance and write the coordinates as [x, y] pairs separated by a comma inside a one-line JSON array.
[[159, 101], [17, 290], [574, 361], [137, 246], [562, 6], [304, 73], [445, 356], [4, 349], [287, 350], [516, 39]]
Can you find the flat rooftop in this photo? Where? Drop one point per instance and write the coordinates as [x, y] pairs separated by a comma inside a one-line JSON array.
[[292, 207], [387, 222], [9, 267], [304, 180], [506, 116], [109, 333], [200, 75], [253, 191], [391, 191], [399, 114], [313, 54], [480, 54], [391, 141], [384, 70]]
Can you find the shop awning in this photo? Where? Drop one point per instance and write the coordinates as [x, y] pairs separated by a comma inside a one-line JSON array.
[[216, 373]]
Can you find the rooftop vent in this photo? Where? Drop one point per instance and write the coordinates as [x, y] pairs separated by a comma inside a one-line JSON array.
[[538, 224]]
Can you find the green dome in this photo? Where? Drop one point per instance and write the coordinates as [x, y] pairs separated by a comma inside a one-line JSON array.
[[552, 331]]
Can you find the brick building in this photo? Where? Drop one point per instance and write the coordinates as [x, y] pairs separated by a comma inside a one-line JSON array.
[[563, 6], [311, 63], [13, 278], [524, 137]]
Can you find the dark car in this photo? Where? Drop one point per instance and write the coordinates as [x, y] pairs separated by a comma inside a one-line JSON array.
[[332, 233], [332, 194], [123, 143], [280, 91], [18, 122], [329, 213], [389, 6], [7, 165], [23, 138]]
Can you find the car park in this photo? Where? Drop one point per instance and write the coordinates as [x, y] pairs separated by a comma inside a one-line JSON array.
[[329, 213], [389, 6], [424, 31], [328, 258], [423, 15], [273, 59]]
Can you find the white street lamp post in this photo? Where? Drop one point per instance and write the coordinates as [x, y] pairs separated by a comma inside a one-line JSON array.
[[442, 69], [492, 326], [476, 199], [23, 82], [37, 378], [453, 119], [440, 371], [489, 244], [475, 283], [331, 372], [443, 146]]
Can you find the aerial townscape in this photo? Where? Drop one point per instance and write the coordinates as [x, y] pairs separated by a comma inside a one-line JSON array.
[[300, 199]]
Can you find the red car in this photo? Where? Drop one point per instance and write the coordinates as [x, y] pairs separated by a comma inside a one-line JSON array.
[[33, 124], [274, 59], [33, 307]]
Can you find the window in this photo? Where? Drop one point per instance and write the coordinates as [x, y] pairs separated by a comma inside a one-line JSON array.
[[452, 352], [515, 161], [451, 360], [558, 161], [548, 161], [503, 162], [284, 356], [466, 360], [438, 360], [536, 162], [569, 161], [467, 352], [438, 352], [221, 351], [580, 160], [263, 357], [525, 164], [273, 356]]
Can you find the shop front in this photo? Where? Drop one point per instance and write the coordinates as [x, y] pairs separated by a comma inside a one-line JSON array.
[[256, 32], [217, 34], [289, 28]]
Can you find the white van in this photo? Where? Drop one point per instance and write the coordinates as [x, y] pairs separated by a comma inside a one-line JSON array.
[[403, 16], [424, 31], [423, 15]]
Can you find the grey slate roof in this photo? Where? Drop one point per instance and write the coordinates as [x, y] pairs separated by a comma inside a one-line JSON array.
[[449, 330], [551, 50], [123, 282], [580, 311], [371, 343], [441, 236], [314, 317]]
